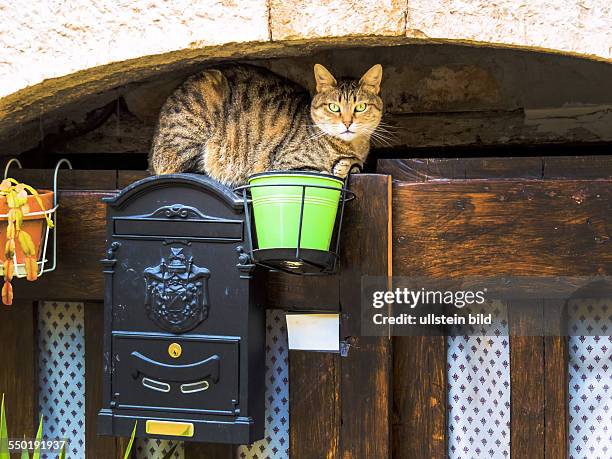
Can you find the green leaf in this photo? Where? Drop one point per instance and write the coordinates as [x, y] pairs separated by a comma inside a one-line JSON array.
[[24, 452], [63, 452], [128, 450], [169, 454], [4, 447], [38, 440]]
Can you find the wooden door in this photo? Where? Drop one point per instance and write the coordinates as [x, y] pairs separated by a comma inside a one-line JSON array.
[[536, 216], [386, 398]]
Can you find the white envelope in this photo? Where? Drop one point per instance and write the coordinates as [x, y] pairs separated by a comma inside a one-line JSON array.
[[314, 332]]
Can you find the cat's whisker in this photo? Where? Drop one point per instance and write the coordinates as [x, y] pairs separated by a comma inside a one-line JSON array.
[[381, 141], [387, 125], [386, 131], [386, 136], [379, 130], [382, 138], [388, 128]]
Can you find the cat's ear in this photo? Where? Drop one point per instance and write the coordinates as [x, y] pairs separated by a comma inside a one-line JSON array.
[[323, 78], [372, 78]]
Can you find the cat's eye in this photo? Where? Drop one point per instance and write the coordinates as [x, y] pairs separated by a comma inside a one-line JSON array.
[[334, 108], [361, 107]]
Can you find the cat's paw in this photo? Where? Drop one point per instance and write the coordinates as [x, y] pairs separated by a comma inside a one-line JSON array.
[[344, 166]]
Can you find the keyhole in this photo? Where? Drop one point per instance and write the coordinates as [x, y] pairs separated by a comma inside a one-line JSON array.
[[175, 350]]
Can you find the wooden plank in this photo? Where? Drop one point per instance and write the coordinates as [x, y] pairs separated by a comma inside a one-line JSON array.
[[539, 380], [419, 397], [125, 178], [18, 378], [527, 397], [209, 451], [500, 128], [292, 293], [426, 169], [67, 179], [549, 222], [556, 394], [405, 170], [81, 244], [521, 228], [527, 384], [96, 446], [556, 379], [585, 167], [314, 405], [365, 373]]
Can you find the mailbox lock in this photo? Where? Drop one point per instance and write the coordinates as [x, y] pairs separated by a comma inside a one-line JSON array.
[[175, 350]]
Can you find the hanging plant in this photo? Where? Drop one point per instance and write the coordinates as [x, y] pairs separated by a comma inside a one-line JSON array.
[[25, 211]]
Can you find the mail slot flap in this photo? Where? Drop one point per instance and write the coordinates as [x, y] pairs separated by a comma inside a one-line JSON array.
[[224, 230], [149, 372], [205, 369]]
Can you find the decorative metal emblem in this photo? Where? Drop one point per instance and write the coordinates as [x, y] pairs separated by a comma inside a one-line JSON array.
[[177, 293]]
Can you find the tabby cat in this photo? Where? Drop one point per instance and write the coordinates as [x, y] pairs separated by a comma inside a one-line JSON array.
[[238, 120]]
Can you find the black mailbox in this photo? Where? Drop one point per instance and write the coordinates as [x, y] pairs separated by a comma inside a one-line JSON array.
[[184, 338]]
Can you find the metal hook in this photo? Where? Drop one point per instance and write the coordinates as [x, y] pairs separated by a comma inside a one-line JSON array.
[[55, 201], [55, 174], [8, 165]]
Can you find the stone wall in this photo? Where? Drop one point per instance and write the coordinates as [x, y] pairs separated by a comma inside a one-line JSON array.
[[42, 39]]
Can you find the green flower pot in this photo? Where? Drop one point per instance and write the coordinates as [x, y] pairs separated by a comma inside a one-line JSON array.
[[276, 209]]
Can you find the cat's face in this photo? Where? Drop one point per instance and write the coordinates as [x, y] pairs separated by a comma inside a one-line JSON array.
[[347, 109]]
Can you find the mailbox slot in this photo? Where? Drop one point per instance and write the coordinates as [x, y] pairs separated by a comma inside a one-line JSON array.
[[148, 378], [194, 229]]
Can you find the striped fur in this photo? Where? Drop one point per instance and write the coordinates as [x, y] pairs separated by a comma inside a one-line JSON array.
[[237, 120]]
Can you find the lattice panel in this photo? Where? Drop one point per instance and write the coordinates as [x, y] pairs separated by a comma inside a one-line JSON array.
[[61, 374], [479, 391], [275, 444], [590, 379]]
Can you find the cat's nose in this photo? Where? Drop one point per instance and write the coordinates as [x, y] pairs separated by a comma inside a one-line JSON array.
[[348, 123]]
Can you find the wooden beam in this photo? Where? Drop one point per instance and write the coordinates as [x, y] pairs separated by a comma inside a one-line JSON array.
[[527, 382], [527, 397], [511, 227], [427, 169], [96, 446], [553, 223], [584, 167], [556, 379], [81, 244], [365, 383], [125, 178], [18, 378], [476, 127], [419, 397], [556, 396], [293, 293], [314, 405], [531, 167], [500, 127], [67, 179]]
